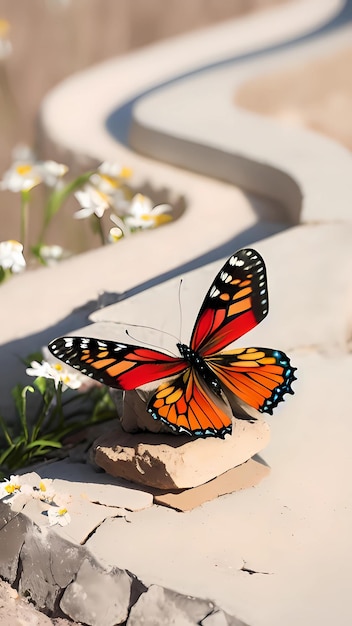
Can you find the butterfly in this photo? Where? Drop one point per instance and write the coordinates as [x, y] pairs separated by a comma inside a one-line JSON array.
[[191, 397]]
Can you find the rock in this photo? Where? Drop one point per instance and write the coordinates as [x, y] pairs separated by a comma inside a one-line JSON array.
[[13, 527], [98, 597], [166, 461], [49, 563], [134, 416], [16, 611], [243, 476], [37, 581], [159, 606]]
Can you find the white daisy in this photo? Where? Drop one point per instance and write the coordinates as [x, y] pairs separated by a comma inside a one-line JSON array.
[[10, 487], [25, 172], [59, 516], [11, 256], [57, 372], [109, 177], [92, 202], [142, 213]]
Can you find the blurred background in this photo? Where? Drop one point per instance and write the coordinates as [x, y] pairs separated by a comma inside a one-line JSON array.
[[52, 39]]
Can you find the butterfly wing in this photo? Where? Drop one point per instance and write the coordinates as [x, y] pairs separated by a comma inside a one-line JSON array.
[[116, 364], [186, 406], [236, 302], [180, 402], [258, 376]]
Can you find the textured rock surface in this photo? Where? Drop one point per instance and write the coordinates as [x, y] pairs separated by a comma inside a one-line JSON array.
[[178, 462], [91, 592], [48, 564], [13, 528], [159, 606], [17, 611], [97, 597]]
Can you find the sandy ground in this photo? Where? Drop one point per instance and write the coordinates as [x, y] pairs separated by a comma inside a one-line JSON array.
[[316, 95], [15, 611]]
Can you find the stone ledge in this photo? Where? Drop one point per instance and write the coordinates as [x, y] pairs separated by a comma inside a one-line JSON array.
[[243, 148], [56, 574]]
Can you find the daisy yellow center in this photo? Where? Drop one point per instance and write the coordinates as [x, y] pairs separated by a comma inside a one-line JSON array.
[[42, 486], [126, 172], [157, 219], [103, 196], [23, 170], [11, 488], [116, 233], [113, 182], [162, 219], [58, 367], [62, 512]]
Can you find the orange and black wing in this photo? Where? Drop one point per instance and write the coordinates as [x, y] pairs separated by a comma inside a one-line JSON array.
[[260, 377], [187, 407], [116, 364], [236, 302]]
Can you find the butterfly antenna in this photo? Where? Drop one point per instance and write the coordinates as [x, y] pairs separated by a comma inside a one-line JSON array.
[[157, 330], [180, 310], [147, 343]]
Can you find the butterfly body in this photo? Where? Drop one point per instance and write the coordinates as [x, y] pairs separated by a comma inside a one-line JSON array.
[[195, 360], [191, 395]]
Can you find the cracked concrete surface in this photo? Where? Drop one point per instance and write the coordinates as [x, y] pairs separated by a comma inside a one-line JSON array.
[[58, 575]]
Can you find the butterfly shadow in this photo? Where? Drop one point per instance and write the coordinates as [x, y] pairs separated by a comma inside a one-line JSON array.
[[255, 233]]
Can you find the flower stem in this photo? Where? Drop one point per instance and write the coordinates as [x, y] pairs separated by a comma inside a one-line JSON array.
[[57, 198], [24, 220], [98, 228], [59, 405]]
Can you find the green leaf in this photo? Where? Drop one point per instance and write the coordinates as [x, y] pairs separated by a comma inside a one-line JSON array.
[[19, 394], [35, 250], [5, 454], [41, 384], [3, 275], [6, 432], [44, 442]]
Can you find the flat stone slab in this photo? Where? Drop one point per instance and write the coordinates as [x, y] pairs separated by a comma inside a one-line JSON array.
[[244, 476], [89, 503], [178, 462]]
